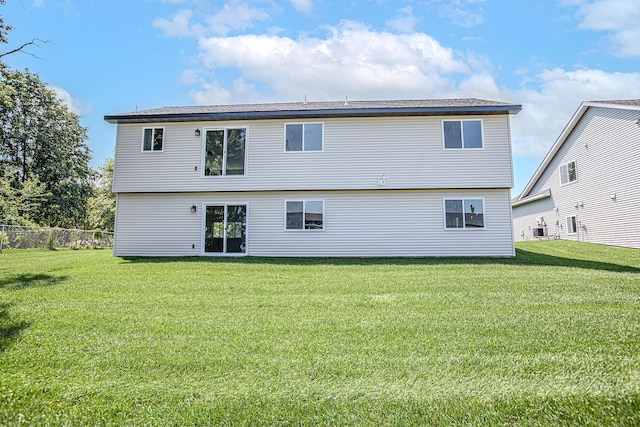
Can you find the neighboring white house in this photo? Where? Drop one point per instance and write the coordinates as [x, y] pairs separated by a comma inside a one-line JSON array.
[[366, 179], [588, 186]]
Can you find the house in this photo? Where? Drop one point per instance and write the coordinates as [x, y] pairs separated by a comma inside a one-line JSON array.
[[366, 178], [588, 186]]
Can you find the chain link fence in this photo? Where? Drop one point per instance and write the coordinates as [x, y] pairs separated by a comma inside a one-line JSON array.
[[18, 237]]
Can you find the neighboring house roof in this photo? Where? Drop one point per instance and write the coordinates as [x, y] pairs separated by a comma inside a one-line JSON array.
[[300, 110], [525, 197], [542, 194]]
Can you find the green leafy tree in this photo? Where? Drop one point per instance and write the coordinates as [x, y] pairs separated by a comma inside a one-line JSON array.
[[19, 199], [102, 205], [40, 138]]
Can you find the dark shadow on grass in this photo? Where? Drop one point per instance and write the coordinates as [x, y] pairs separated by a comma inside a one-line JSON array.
[[10, 327], [22, 281], [522, 258]]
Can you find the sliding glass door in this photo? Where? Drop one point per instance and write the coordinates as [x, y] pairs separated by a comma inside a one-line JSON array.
[[225, 229]]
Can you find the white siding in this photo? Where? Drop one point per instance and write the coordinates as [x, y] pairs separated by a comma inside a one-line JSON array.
[[357, 152], [604, 144], [356, 223]]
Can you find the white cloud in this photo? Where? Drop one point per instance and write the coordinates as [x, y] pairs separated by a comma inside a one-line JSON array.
[[302, 6], [75, 105], [619, 17], [236, 15], [178, 26], [404, 21], [460, 12], [352, 60], [215, 93]]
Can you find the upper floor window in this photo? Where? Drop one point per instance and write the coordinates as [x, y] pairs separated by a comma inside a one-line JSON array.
[[303, 137], [568, 173], [464, 213], [305, 215], [225, 151], [462, 134], [152, 139]]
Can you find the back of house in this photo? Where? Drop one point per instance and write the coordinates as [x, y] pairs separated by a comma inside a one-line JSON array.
[[365, 178], [588, 186]]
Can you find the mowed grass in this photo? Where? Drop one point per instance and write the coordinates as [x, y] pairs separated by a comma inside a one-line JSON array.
[[551, 337]]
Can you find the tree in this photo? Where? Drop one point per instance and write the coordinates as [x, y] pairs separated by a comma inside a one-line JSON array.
[[19, 199], [41, 139], [4, 28], [102, 205]]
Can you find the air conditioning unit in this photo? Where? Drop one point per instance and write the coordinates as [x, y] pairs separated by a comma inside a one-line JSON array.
[[539, 232]]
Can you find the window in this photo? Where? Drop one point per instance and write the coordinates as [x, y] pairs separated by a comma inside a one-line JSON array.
[[152, 139], [303, 137], [464, 213], [462, 134], [225, 152], [568, 173], [305, 215], [572, 224]]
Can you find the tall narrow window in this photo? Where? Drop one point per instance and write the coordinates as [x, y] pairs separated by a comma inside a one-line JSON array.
[[464, 213], [568, 173], [304, 137], [305, 215], [225, 152], [152, 139], [462, 134], [572, 224]]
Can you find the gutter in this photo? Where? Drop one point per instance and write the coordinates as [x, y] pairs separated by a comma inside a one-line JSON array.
[[301, 114]]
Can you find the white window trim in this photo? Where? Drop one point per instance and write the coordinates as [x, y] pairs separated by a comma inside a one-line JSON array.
[[153, 128], [462, 133], [458, 229], [566, 222], [305, 230], [203, 138], [303, 125], [203, 216], [560, 173]]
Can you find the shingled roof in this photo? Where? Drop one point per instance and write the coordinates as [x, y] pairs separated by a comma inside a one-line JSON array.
[[627, 102], [294, 110]]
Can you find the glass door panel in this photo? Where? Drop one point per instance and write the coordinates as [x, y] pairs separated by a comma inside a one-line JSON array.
[[214, 229], [236, 228]]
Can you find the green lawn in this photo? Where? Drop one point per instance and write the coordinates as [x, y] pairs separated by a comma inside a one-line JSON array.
[[551, 337]]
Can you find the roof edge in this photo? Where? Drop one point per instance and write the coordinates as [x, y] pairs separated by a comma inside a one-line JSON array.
[[318, 113], [541, 195]]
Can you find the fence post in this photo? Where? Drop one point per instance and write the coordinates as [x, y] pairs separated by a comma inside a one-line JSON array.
[[2, 238]]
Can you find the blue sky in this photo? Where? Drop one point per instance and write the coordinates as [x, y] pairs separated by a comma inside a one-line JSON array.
[[107, 57]]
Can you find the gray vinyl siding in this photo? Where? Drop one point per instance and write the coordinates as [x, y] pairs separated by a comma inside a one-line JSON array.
[[356, 223], [604, 144], [357, 152]]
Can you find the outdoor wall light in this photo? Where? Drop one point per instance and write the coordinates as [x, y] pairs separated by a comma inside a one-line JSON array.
[[194, 209], [197, 132]]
